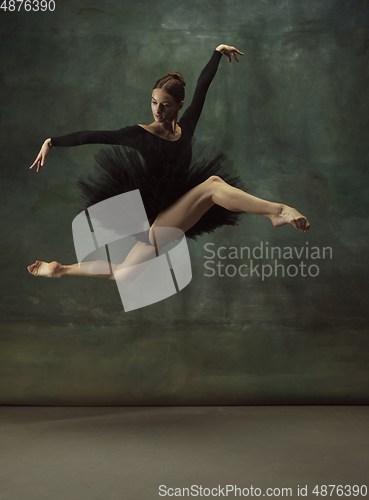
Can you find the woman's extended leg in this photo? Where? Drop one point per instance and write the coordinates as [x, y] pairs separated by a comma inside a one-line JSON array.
[[138, 258], [188, 209]]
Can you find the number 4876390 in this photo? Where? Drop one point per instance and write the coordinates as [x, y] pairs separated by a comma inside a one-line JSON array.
[[27, 5]]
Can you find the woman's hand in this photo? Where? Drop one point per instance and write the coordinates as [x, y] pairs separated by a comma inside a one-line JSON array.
[[228, 50], [41, 157]]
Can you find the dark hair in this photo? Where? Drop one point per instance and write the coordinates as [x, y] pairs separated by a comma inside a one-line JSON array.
[[173, 84]]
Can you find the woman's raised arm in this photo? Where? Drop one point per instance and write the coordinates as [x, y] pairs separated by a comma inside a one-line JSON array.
[[193, 112]]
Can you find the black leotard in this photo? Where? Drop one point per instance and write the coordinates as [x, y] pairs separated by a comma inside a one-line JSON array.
[[149, 145], [160, 178]]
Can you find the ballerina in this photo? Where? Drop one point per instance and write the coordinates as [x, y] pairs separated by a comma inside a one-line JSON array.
[[194, 200]]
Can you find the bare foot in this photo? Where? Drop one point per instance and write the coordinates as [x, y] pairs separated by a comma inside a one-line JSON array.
[[289, 215], [49, 270]]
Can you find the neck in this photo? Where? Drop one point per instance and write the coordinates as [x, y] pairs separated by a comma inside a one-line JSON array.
[[168, 126]]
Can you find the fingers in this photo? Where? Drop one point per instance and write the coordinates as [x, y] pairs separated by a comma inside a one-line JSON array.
[[40, 160], [235, 52], [38, 165], [234, 55], [228, 55], [37, 160], [34, 163]]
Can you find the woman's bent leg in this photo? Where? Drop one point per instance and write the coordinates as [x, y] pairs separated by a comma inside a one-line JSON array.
[[236, 200], [188, 209]]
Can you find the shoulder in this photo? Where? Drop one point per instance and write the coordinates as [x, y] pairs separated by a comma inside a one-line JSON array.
[[188, 120], [143, 128], [131, 128], [131, 131]]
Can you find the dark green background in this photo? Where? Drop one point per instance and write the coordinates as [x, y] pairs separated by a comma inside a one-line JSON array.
[[292, 118]]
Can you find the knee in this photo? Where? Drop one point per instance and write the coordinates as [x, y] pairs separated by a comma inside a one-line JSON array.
[[150, 240], [213, 183], [215, 179], [148, 243]]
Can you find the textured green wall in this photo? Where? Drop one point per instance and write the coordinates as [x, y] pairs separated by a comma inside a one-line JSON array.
[[292, 118]]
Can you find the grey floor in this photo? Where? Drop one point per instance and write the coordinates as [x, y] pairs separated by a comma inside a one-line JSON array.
[[109, 453]]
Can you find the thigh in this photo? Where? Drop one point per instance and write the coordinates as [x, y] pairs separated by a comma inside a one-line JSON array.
[[186, 211]]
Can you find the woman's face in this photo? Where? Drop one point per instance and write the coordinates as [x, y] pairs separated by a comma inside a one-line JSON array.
[[164, 106]]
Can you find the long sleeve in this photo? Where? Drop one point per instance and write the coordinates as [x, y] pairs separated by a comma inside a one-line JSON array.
[[124, 136], [193, 112]]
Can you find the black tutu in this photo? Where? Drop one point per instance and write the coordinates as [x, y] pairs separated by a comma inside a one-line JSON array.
[[121, 169]]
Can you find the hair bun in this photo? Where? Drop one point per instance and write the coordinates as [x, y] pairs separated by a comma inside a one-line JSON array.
[[177, 76]]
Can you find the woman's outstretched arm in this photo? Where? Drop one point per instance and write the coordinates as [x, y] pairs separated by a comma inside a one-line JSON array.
[[193, 112], [125, 136]]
